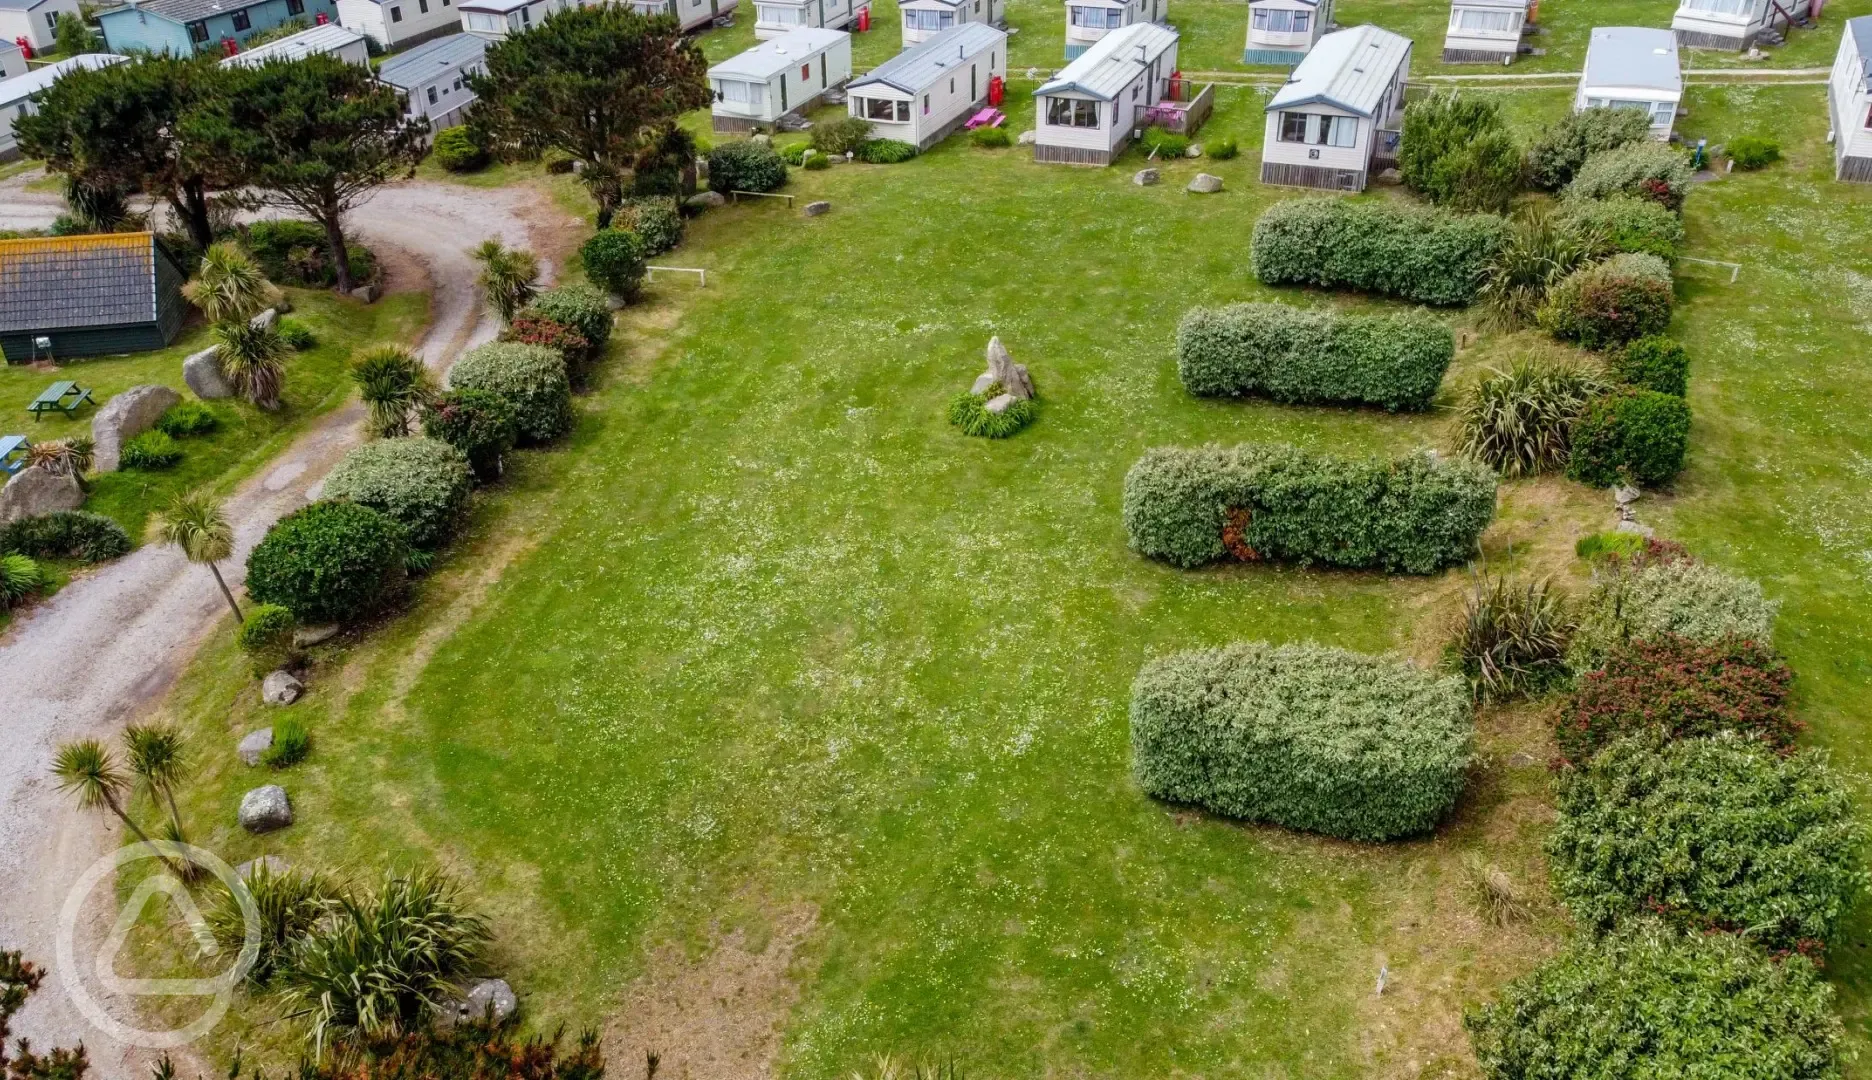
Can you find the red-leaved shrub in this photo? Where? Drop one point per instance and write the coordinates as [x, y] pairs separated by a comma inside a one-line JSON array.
[[539, 330], [1681, 688]]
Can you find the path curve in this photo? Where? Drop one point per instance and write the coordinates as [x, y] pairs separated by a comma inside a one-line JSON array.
[[102, 652]]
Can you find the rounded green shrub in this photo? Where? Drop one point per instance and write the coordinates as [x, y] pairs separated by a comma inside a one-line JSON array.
[[970, 413], [331, 561], [1647, 1002], [296, 334], [1457, 152], [656, 221], [614, 261], [1751, 152], [886, 152], [1646, 170], [1308, 737], [66, 534], [847, 133], [1566, 144], [797, 153], [20, 577], [1630, 437], [1609, 303], [580, 308], [187, 418], [1680, 597], [1223, 149], [267, 638], [1382, 246], [1303, 356], [1624, 223], [421, 484], [1670, 687], [531, 377], [1654, 362], [151, 451], [745, 165], [480, 423], [992, 138], [457, 150], [817, 163]]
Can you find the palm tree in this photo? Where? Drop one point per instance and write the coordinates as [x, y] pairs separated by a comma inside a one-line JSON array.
[[254, 360], [229, 284], [86, 769], [510, 276], [158, 762], [195, 523], [393, 382]]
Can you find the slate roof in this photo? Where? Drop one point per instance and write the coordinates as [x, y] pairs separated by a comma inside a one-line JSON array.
[[919, 67], [21, 87], [775, 55], [1861, 31], [1640, 57], [423, 63], [1348, 69], [1105, 69], [64, 282], [328, 38], [186, 11]]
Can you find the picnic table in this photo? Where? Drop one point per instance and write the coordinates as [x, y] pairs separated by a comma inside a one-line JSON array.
[[11, 445], [989, 117], [52, 398]]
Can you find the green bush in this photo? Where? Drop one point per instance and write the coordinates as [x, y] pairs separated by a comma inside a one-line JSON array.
[[745, 165], [1752, 152], [656, 221], [1670, 687], [1429, 256], [421, 484], [1520, 422], [1646, 170], [480, 423], [1653, 363], [20, 577], [533, 380], [1720, 833], [151, 451], [817, 163], [847, 133], [1564, 146], [1623, 223], [1683, 598], [1630, 437], [293, 252], [267, 638], [296, 334], [1457, 152], [1166, 145], [1609, 303], [582, 309], [797, 153], [1416, 514], [292, 743], [970, 413], [66, 534], [1222, 149], [187, 418], [1304, 736], [993, 138], [1302, 356], [886, 152], [329, 562], [614, 261], [457, 150], [1649, 1003]]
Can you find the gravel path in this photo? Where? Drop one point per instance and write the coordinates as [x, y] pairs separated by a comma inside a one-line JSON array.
[[103, 651]]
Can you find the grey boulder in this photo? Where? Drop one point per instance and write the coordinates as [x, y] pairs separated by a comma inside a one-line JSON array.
[[202, 372], [1205, 184], [983, 383], [265, 808], [307, 636], [280, 688], [365, 293], [814, 209], [1012, 377], [123, 418], [35, 490], [489, 998], [703, 200], [1000, 403], [1194, 151], [1146, 177], [254, 745], [1026, 138]]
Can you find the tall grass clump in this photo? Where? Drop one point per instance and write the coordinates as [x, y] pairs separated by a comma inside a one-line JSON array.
[[1519, 422], [1538, 251], [1512, 638]]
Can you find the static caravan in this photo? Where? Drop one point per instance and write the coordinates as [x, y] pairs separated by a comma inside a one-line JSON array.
[[693, 14], [1735, 24], [1087, 113], [34, 20], [498, 18], [1633, 67], [433, 78], [924, 19], [1849, 96], [396, 24], [16, 94], [1088, 21], [754, 89], [1340, 113], [12, 60], [1284, 31], [927, 91], [1484, 31], [330, 38], [773, 18]]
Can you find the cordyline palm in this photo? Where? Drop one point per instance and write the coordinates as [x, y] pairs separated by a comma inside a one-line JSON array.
[[159, 764], [254, 360], [393, 383], [229, 284], [510, 276], [87, 770], [195, 523]]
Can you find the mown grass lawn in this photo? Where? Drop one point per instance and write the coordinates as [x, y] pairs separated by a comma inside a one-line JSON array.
[[767, 636]]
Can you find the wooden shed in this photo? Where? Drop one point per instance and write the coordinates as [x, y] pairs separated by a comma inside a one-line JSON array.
[[97, 295]]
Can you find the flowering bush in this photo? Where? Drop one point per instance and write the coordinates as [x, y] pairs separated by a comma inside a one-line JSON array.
[[1678, 688]]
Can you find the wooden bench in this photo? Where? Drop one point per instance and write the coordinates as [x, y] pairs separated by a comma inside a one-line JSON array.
[[12, 453], [52, 399]]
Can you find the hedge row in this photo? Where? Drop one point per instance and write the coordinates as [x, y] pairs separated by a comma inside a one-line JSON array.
[[1416, 514], [1684, 599], [1302, 356], [1304, 736], [65, 534], [422, 484], [1429, 256]]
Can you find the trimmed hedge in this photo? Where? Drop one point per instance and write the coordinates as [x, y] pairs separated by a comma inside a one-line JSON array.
[[1429, 256], [1719, 833], [329, 562], [655, 219], [1683, 598], [580, 308], [614, 261], [479, 423], [1630, 436], [1308, 737], [1649, 1003], [66, 534], [1654, 363], [1416, 514], [745, 165], [1609, 303], [1624, 223], [531, 377], [1645, 170], [1673, 688], [1296, 355], [421, 484]]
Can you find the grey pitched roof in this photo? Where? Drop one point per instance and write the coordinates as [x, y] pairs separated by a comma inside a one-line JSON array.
[[1303, 3], [425, 62], [327, 38], [1105, 69], [917, 68], [1861, 31], [775, 55], [1641, 57], [19, 5], [21, 87], [187, 11], [1348, 69], [51, 283]]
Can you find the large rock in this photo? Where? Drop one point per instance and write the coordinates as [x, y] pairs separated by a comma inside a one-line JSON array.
[[307, 636], [1195, 150], [254, 745], [1026, 138], [703, 200], [265, 808], [1000, 403], [1146, 177], [123, 418], [1205, 184], [202, 372], [489, 996], [280, 688], [266, 320], [35, 490], [365, 293], [814, 209], [1002, 369]]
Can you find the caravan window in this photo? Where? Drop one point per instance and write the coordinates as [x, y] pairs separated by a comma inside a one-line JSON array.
[[1497, 22], [773, 13], [1095, 18], [1281, 22], [1072, 112], [736, 92], [929, 20], [1316, 130], [1721, 7], [889, 112]]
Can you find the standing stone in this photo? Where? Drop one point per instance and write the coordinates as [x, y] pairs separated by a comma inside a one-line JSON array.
[[983, 383], [280, 688], [1205, 184], [1146, 177], [254, 745], [35, 490], [1012, 377], [814, 209], [265, 808], [123, 418], [202, 372]]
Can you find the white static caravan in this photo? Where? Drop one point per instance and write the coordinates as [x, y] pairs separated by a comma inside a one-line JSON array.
[[1484, 31], [498, 18], [754, 89], [34, 20], [1338, 117], [693, 14], [1088, 21], [924, 19], [397, 24], [1284, 31], [433, 78], [12, 60], [773, 18], [16, 93], [1733, 24], [329, 39], [1087, 113], [1633, 67], [1849, 97], [925, 92]]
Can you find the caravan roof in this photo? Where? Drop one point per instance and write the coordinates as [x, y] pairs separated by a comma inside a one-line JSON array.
[[770, 58], [327, 38], [1348, 69], [919, 67], [1110, 65], [1635, 56]]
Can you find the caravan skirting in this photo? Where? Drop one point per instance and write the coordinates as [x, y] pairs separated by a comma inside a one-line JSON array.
[[1282, 57], [1697, 39], [1280, 174], [1476, 56]]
